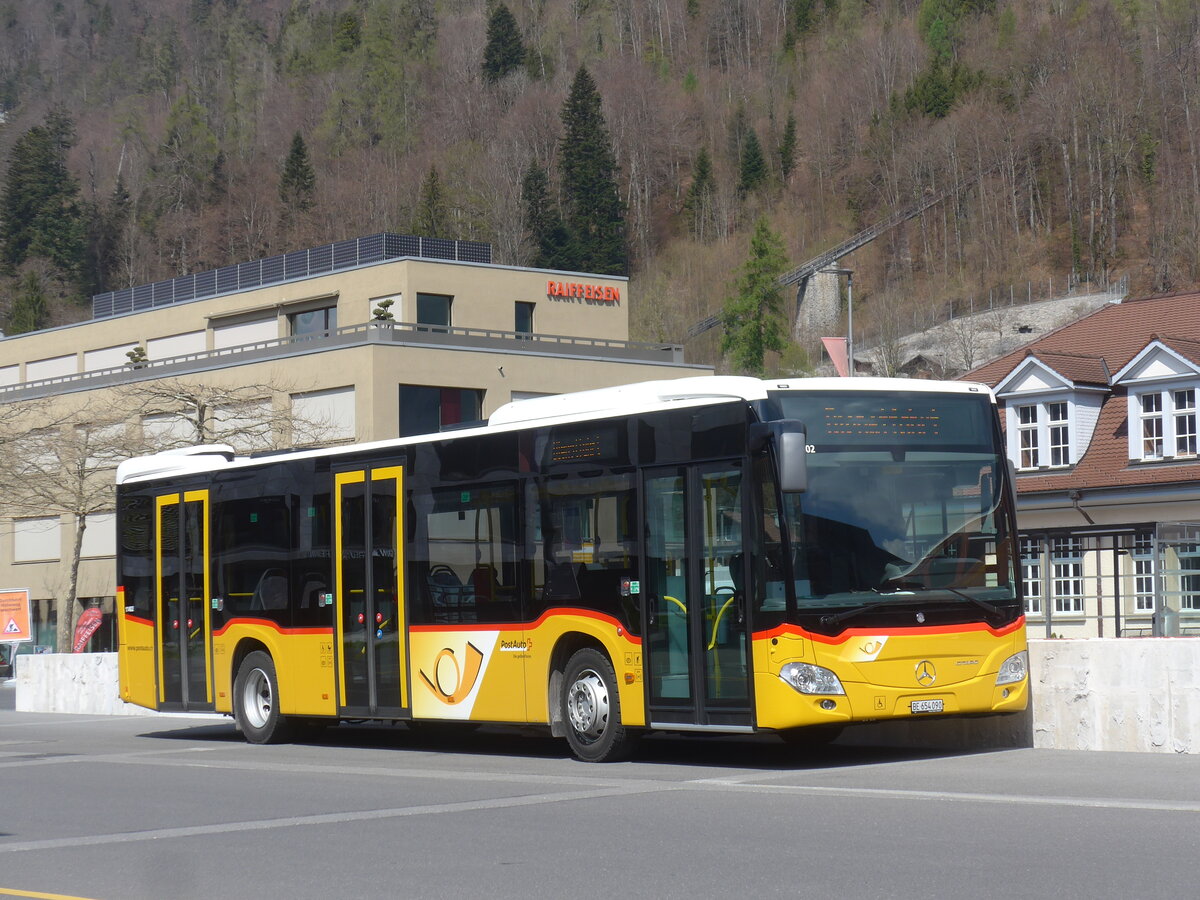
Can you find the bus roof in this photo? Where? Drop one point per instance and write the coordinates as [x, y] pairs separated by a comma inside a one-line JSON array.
[[624, 399]]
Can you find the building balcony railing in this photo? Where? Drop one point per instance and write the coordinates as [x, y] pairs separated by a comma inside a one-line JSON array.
[[374, 332]]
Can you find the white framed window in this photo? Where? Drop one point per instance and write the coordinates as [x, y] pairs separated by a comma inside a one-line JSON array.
[[1027, 431], [1143, 572], [1059, 443], [1031, 575], [1184, 402], [1152, 426], [1041, 435], [1163, 424], [1066, 561]]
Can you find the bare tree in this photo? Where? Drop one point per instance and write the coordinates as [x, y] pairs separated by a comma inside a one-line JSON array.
[[66, 469], [183, 412]]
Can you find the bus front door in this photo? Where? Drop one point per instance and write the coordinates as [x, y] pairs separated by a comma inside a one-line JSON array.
[[696, 632], [372, 676], [183, 618]]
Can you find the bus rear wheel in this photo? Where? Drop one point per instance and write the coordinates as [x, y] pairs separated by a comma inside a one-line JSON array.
[[256, 700], [591, 709]]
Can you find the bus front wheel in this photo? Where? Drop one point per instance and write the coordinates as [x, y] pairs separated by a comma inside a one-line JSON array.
[[256, 700], [591, 709]]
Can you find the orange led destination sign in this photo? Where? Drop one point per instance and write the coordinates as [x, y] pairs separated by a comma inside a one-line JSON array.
[[603, 294]]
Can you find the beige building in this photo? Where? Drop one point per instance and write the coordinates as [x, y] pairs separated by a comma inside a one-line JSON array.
[[356, 341]]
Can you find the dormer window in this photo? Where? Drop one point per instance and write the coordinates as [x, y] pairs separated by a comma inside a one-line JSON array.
[[1043, 435], [1166, 425]]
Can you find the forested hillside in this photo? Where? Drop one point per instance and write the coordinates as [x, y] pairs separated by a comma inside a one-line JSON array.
[[142, 139]]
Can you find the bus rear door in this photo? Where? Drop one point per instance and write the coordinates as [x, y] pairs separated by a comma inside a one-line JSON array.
[[696, 631], [183, 618]]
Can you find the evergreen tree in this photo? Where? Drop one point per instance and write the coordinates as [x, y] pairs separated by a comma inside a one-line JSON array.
[[595, 215], [504, 52], [753, 170], [698, 204], [553, 247], [188, 158], [28, 311], [431, 219], [753, 316], [106, 224], [787, 147], [40, 214], [298, 182]]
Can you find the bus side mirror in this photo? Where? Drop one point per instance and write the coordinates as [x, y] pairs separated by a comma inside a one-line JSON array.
[[790, 442], [793, 462]]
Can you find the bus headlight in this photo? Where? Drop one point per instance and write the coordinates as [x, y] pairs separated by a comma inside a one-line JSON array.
[[810, 679], [1015, 668]]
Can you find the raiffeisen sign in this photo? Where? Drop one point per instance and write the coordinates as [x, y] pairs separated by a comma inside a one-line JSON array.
[[602, 294]]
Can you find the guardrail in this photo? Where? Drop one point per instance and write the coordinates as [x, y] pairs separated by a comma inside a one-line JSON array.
[[405, 333]]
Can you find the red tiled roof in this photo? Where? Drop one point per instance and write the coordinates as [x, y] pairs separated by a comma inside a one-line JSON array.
[[1087, 351]]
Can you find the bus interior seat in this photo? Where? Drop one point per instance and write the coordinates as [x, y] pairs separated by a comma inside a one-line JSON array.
[[314, 587], [562, 582], [271, 592]]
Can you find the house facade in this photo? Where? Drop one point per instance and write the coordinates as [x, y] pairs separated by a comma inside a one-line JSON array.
[[1101, 428], [367, 339]]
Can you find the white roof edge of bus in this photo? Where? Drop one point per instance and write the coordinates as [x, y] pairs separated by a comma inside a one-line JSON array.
[[182, 459], [578, 406], [628, 397]]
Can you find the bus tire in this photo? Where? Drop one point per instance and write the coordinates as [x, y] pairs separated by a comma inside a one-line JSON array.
[[591, 709], [256, 700]]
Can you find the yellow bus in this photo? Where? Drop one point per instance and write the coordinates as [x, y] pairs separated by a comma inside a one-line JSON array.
[[719, 554]]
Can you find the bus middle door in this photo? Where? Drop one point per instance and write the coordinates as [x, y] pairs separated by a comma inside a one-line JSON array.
[[184, 618], [369, 593]]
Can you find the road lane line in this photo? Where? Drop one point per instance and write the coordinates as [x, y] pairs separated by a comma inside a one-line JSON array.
[[733, 784], [367, 815]]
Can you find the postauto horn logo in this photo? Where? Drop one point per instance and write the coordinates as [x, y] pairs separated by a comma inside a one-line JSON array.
[[451, 682]]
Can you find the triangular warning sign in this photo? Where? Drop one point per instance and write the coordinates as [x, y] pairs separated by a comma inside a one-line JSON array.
[[12, 627]]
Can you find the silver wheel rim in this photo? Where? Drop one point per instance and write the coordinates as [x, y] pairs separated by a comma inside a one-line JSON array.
[[257, 701], [587, 706]]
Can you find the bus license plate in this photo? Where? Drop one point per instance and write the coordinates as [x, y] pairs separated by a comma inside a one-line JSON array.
[[927, 706]]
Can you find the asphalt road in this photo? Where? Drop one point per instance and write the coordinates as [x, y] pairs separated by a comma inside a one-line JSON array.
[[171, 807]]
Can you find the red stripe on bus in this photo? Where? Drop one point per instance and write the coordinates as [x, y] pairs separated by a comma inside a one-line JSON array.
[[269, 624], [138, 620], [891, 631], [529, 626]]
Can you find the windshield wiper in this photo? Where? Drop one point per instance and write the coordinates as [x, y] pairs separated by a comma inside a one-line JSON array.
[[845, 614], [990, 609]]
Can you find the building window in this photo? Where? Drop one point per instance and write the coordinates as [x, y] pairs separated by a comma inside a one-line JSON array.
[[1185, 422], [1152, 426], [1060, 435], [1189, 576], [427, 410], [1031, 575], [1066, 559], [433, 309], [1143, 572], [524, 318], [315, 321], [1028, 431], [1165, 426]]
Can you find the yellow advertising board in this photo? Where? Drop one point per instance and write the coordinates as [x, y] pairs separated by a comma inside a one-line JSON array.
[[14, 616]]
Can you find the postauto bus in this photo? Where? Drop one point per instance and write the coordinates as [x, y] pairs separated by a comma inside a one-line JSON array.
[[714, 554]]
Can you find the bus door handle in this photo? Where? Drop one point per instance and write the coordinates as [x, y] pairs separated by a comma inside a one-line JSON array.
[[652, 617]]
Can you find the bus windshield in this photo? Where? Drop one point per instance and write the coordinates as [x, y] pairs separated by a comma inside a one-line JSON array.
[[906, 511]]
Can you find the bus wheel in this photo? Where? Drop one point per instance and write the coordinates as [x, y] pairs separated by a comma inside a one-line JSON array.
[[592, 709], [256, 700]]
